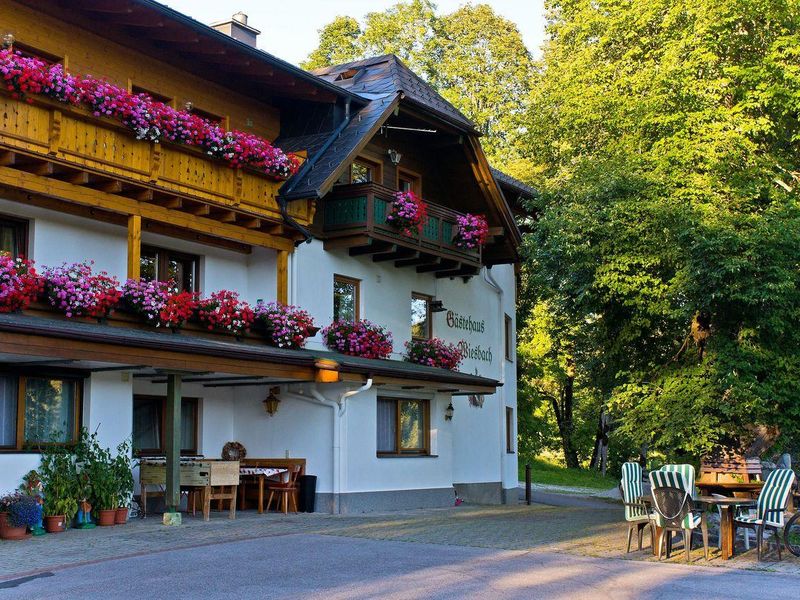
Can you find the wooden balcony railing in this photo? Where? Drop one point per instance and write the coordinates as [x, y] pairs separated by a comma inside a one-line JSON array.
[[70, 144], [354, 217]]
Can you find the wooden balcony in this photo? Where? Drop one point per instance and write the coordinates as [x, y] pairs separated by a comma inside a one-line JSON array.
[[57, 151], [354, 217]]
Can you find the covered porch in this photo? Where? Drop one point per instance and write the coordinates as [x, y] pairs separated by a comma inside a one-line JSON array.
[[233, 379]]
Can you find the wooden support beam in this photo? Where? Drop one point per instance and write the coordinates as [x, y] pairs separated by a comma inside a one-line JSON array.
[[276, 230], [172, 497], [54, 188], [444, 265], [110, 187], [228, 217], [283, 277], [45, 169], [173, 203], [134, 246], [78, 178], [399, 253], [201, 211], [463, 271], [8, 159], [372, 248], [144, 195], [251, 223], [423, 259]]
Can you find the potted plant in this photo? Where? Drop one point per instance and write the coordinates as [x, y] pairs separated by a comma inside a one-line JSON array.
[[123, 475], [472, 232], [23, 512], [59, 478], [32, 486], [224, 311], [97, 464], [408, 213], [361, 338], [433, 353]]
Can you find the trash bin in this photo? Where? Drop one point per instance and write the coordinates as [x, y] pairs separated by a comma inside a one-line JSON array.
[[308, 492]]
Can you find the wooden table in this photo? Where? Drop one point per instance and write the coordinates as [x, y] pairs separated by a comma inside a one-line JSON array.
[[262, 474], [727, 508], [727, 488]]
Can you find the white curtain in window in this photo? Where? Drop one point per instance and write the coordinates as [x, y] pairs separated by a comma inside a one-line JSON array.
[[146, 424], [8, 411], [387, 426], [49, 410]]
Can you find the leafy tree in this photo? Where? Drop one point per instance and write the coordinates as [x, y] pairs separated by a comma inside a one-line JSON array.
[[338, 43], [664, 134], [473, 57]]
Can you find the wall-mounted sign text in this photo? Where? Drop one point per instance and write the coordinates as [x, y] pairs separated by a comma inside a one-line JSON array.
[[465, 323]]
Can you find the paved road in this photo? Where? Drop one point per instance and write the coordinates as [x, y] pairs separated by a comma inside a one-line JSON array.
[[332, 567]]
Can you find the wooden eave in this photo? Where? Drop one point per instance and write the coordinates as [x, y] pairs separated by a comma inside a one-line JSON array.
[[167, 35]]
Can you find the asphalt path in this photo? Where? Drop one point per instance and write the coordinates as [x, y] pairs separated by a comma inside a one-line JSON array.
[[331, 567]]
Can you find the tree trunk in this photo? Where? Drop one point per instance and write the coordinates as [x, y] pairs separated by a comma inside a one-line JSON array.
[[565, 424]]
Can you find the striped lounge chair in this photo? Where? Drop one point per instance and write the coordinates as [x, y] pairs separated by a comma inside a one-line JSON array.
[[772, 503], [674, 511], [636, 512], [688, 474]]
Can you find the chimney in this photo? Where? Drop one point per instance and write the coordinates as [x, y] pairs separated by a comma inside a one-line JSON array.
[[238, 29]]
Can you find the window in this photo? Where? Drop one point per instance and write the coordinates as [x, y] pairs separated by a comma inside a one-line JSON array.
[[164, 265], [509, 430], [149, 424], [409, 182], [136, 89], [38, 410], [13, 236], [509, 338], [31, 52], [346, 298], [208, 116], [361, 172], [403, 426], [421, 327]]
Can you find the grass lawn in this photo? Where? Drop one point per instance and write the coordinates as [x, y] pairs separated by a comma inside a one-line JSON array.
[[543, 471]]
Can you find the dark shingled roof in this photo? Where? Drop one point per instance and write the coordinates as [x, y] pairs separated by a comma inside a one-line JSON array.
[[508, 182], [388, 74], [229, 348]]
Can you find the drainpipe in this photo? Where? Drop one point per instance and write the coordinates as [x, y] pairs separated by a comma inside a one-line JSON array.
[[487, 277], [338, 406], [283, 203]]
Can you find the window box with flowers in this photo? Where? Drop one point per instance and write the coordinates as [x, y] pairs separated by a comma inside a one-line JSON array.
[[78, 292], [472, 231], [408, 213], [433, 353], [19, 284], [224, 311], [360, 338], [158, 302], [284, 326]]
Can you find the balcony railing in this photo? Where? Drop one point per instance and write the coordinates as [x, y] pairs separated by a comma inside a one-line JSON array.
[[354, 217], [68, 143]]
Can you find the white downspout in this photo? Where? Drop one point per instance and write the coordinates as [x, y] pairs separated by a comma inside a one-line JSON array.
[[487, 277], [339, 407]]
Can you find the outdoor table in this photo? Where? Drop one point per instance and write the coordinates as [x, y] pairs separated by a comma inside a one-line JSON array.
[[729, 487], [262, 474], [727, 508]]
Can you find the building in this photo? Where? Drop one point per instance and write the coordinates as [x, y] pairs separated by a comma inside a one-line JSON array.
[[378, 434]]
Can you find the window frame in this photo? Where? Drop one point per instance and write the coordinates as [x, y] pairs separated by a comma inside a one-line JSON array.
[[28, 51], [21, 445], [162, 262], [426, 430], [508, 323], [356, 283], [21, 227], [427, 299], [163, 419], [376, 166], [510, 446], [138, 89], [412, 177]]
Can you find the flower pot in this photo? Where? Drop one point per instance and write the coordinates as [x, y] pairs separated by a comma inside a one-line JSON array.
[[106, 517], [55, 523], [9, 532], [121, 516], [3, 521]]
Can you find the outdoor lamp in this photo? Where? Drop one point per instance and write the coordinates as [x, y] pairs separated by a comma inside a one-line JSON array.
[[8, 39], [271, 402], [394, 156], [188, 105], [448, 412]]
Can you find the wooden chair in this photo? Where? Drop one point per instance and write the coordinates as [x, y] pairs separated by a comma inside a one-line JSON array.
[[286, 490]]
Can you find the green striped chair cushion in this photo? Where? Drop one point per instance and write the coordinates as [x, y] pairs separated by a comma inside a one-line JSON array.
[[688, 473], [631, 484], [673, 479], [772, 500]]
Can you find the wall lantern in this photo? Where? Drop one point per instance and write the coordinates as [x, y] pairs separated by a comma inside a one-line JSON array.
[[271, 402], [8, 39], [394, 156], [448, 412], [188, 105]]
